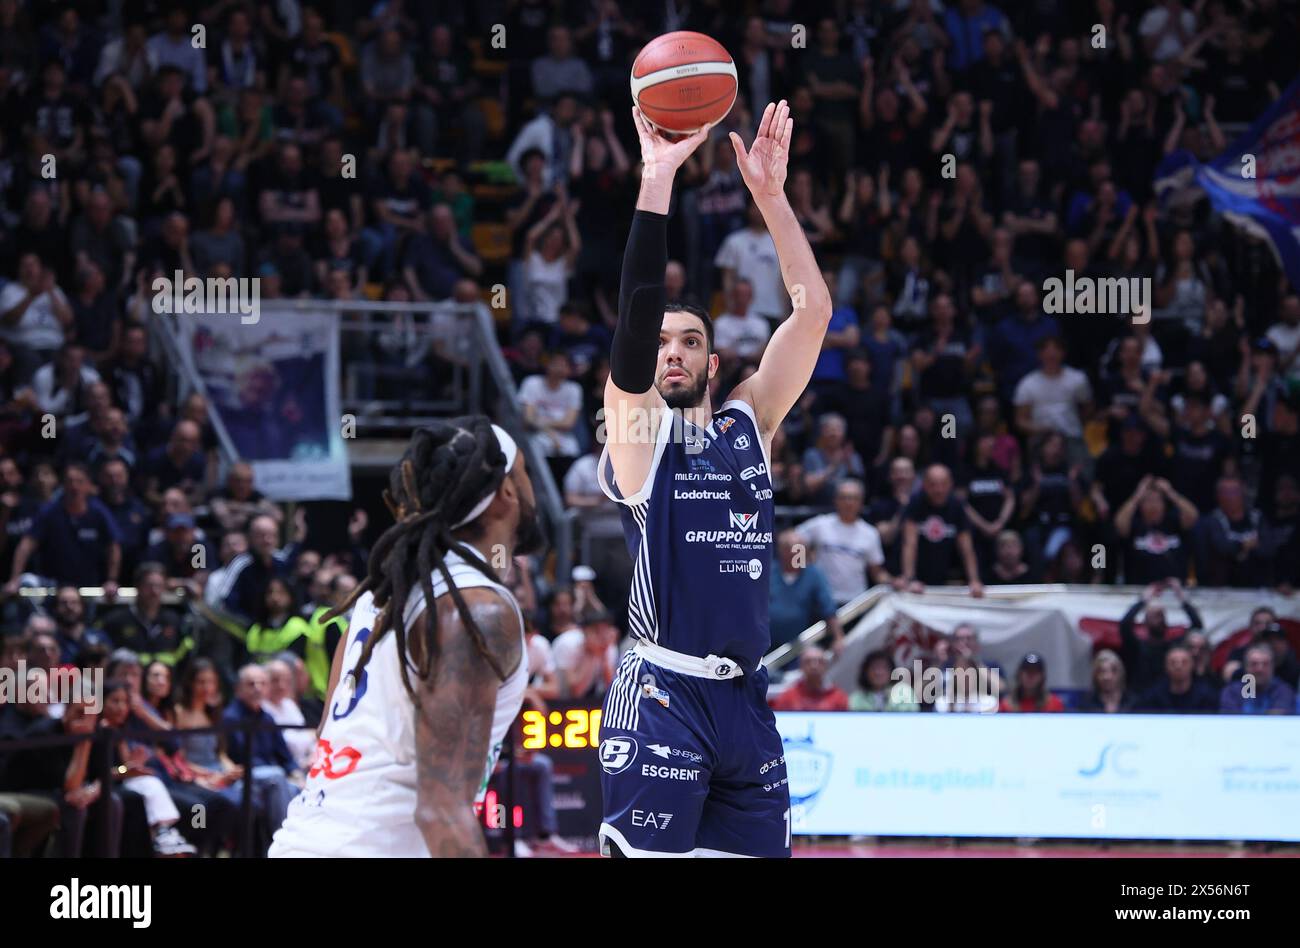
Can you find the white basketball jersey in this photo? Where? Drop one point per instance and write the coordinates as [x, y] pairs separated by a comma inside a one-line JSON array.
[[359, 798]]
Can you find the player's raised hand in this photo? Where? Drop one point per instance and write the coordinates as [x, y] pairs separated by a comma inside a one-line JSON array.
[[763, 166], [658, 152]]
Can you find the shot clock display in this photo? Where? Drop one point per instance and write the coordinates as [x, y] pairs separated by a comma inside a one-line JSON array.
[[570, 728], [567, 734]]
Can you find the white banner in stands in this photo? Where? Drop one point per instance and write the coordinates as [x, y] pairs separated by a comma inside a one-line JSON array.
[[1076, 776], [273, 391], [1060, 624]]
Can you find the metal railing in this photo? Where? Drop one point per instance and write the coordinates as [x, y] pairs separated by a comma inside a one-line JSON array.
[[480, 382]]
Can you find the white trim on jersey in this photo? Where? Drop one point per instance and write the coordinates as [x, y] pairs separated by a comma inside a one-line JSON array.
[[605, 466], [610, 834], [746, 408]]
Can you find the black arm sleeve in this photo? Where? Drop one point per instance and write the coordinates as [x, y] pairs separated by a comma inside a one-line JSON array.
[[641, 300]]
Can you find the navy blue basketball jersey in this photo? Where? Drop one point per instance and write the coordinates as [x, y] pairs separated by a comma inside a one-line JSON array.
[[700, 534]]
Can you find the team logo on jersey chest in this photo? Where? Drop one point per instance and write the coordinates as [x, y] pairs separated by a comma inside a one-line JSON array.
[[742, 521], [741, 443]]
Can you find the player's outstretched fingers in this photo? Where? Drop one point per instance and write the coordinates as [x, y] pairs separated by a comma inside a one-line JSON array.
[[766, 122]]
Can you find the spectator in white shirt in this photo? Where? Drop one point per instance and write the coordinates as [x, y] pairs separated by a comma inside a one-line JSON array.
[[1167, 30], [1286, 336], [548, 133], [550, 251], [585, 657], [34, 313], [61, 386], [599, 515], [175, 47], [847, 548], [1054, 397], [283, 709], [739, 333], [551, 404], [750, 253]]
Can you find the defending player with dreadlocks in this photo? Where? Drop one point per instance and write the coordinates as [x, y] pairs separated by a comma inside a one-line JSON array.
[[406, 745]]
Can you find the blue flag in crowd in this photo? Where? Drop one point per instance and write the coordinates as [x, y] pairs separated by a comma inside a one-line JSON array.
[[1267, 204]]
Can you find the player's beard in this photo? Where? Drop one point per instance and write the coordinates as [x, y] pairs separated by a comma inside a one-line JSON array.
[[681, 398], [529, 537]]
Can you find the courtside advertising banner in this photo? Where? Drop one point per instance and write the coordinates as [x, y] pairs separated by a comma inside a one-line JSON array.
[[1076, 776], [273, 391]]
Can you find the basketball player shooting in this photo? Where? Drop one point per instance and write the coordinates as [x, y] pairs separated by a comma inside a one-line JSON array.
[[692, 764], [420, 700]]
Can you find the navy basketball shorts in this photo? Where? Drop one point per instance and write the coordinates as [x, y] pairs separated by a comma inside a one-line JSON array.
[[691, 766]]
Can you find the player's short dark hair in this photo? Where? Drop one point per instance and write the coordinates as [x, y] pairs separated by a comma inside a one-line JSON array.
[[685, 306]]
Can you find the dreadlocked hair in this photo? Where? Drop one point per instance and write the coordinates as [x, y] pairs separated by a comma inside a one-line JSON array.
[[448, 467]]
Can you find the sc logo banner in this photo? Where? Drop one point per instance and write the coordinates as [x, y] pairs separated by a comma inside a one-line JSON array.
[[617, 754], [349, 662]]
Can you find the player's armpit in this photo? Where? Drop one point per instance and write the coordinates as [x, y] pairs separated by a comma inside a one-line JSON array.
[[453, 725], [630, 425]]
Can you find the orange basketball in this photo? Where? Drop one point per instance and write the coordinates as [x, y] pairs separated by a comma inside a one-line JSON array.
[[682, 81]]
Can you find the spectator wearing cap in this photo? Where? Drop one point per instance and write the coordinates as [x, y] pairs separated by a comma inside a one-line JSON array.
[[1261, 618], [1029, 692], [1285, 665], [1178, 691], [1130, 456], [182, 554], [1260, 691], [585, 657], [877, 690], [847, 548], [1110, 693], [800, 594], [812, 692], [75, 536], [1259, 385]]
